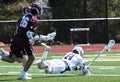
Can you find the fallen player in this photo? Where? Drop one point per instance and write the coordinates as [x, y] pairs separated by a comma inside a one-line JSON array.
[[70, 62]]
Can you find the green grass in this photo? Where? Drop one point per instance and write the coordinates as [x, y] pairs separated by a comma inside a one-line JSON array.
[[102, 71]]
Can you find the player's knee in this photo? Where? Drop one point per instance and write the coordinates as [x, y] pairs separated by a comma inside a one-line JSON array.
[[48, 70], [39, 66], [42, 65], [31, 57]]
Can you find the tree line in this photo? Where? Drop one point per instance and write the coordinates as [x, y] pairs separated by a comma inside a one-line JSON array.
[[100, 31]]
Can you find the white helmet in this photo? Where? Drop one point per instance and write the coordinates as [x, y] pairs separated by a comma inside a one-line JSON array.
[[79, 50]]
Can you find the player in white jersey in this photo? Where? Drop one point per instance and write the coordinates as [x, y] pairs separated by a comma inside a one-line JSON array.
[[71, 61]]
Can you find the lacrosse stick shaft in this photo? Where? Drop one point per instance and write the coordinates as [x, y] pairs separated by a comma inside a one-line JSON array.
[[96, 57], [109, 46]]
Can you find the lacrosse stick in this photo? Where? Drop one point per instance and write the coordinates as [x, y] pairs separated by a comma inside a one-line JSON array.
[[107, 47]]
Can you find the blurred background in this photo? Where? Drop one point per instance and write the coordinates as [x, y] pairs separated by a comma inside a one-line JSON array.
[[70, 31]]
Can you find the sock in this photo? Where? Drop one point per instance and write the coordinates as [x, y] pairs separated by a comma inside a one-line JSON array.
[[22, 68], [44, 55], [0, 57], [6, 53]]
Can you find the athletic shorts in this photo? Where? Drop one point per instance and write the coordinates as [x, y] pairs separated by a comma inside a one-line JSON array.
[[57, 66], [21, 46]]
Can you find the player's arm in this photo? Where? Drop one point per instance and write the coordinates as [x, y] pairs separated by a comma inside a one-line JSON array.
[[35, 37], [82, 67]]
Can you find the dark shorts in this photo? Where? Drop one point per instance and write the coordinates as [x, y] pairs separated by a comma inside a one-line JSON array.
[[21, 46]]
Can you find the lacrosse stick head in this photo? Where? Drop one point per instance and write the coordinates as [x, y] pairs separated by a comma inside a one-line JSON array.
[[110, 44]]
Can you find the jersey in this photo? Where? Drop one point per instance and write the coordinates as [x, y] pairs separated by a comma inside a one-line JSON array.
[[20, 43], [27, 23], [73, 60]]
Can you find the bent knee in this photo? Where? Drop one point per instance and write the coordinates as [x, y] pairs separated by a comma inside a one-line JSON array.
[[48, 70], [31, 57], [40, 66]]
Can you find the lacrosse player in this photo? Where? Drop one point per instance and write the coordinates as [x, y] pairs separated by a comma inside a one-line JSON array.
[[21, 48], [35, 37], [71, 61]]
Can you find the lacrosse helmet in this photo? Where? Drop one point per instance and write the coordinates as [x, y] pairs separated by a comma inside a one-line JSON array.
[[78, 50], [37, 8], [26, 9]]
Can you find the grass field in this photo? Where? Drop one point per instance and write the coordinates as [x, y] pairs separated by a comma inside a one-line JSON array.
[[105, 69]]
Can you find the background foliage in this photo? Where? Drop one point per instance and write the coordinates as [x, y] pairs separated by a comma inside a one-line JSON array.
[[67, 9]]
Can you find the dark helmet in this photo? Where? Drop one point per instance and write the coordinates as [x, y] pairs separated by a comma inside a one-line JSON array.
[[26, 9], [36, 8]]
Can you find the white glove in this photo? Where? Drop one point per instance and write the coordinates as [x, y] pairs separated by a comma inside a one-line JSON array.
[[84, 70], [29, 34], [51, 36], [36, 37]]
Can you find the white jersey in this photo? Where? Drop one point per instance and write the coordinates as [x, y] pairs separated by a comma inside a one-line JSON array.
[[69, 62], [73, 60]]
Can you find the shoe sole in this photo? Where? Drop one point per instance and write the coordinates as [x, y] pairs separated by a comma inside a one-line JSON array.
[[47, 48], [25, 78]]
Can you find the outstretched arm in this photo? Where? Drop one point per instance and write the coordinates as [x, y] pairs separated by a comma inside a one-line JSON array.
[[35, 37]]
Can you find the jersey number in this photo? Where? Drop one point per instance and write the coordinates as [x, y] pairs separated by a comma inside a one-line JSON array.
[[24, 22], [69, 57]]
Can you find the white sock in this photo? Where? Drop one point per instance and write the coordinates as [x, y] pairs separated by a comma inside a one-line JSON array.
[[0, 57], [44, 55], [6, 53], [22, 68]]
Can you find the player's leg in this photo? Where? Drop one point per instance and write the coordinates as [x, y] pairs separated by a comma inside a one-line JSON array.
[[56, 66], [6, 56], [42, 63], [24, 59], [24, 74], [3, 52], [46, 49], [29, 52]]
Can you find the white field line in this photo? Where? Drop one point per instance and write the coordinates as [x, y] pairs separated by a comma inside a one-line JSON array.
[[92, 55], [63, 74], [90, 66], [35, 74], [13, 66], [104, 67], [88, 60]]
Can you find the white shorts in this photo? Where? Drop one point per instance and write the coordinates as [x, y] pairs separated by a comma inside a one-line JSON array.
[[56, 66]]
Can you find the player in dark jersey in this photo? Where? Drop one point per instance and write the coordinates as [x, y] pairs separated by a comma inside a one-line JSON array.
[[21, 47]]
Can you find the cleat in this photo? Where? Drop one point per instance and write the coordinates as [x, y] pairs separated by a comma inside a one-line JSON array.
[[29, 75], [24, 76], [45, 47], [87, 74]]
